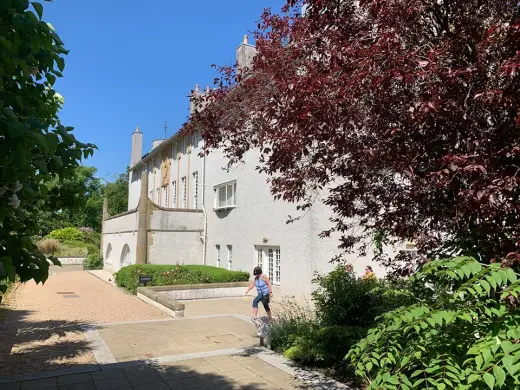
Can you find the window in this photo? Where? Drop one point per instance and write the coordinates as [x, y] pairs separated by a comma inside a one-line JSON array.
[[174, 194], [184, 193], [277, 255], [259, 257], [272, 258], [165, 196], [217, 263], [158, 197], [409, 246], [184, 145], [195, 190], [151, 196], [225, 195], [230, 256]]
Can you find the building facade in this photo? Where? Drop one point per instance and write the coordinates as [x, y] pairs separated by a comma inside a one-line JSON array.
[[187, 209]]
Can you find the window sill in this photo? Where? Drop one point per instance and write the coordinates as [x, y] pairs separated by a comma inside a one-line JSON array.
[[224, 208]]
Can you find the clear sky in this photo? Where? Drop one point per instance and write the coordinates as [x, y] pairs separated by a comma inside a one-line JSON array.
[[133, 63]]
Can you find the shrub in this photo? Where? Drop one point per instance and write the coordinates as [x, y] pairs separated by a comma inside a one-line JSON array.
[[48, 246], [94, 260], [342, 299], [66, 234], [92, 238], [463, 332], [167, 275]]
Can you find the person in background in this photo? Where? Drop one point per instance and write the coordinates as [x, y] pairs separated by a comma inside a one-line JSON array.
[[264, 291], [350, 268], [369, 273]]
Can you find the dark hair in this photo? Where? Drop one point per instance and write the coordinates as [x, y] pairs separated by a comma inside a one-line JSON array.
[[370, 268], [257, 271]]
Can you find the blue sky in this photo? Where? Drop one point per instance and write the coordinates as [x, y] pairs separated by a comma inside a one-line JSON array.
[[134, 64]]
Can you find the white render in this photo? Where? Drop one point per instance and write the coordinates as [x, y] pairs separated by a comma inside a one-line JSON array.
[[185, 233]]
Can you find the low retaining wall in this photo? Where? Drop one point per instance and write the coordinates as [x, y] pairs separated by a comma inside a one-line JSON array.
[[71, 260], [165, 297]]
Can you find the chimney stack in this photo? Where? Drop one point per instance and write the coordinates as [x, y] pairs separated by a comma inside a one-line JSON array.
[[137, 146], [245, 55]]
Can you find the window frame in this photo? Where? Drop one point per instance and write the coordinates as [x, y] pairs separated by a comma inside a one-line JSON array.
[[195, 177], [216, 195], [184, 189], [164, 196], [230, 256], [174, 194], [217, 260]]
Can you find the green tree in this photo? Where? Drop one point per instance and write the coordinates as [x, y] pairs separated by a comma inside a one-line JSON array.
[[117, 194], [34, 145], [84, 194]]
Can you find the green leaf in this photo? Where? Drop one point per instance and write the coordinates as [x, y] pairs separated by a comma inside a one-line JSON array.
[[500, 375], [7, 262], [489, 379], [61, 63], [509, 363], [38, 8], [485, 285], [479, 361]]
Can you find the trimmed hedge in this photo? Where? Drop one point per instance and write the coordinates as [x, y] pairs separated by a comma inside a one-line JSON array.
[[169, 275]]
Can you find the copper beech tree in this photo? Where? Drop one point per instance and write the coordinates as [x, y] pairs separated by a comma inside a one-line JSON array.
[[406, 111]]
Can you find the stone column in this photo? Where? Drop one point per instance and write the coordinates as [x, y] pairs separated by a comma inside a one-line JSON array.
[[103, 219], [142, 222]]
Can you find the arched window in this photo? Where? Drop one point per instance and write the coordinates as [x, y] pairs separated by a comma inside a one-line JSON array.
[[126, 257], [108, 260]]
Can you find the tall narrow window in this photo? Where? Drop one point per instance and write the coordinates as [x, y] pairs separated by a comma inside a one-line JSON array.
[[277, 256], [158, 197], [195, 190], [270, 257], [260, 257], [217, 263], [174, 194], [184, 145], [165, 196], [230, 256], [184, 189]]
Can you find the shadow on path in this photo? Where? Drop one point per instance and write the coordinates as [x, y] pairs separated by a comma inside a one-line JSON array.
[[28, 346]]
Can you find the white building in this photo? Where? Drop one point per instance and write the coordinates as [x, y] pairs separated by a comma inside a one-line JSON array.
[[187, 209]]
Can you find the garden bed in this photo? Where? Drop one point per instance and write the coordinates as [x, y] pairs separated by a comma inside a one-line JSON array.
[[175, 275]]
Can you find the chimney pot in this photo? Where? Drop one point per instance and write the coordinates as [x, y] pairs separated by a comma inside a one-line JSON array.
[[246, 40]]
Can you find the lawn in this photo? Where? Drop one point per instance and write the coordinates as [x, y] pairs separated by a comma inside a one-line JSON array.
[[72, 249]]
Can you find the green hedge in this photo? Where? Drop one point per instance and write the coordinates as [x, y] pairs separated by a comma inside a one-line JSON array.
[[168, 275]]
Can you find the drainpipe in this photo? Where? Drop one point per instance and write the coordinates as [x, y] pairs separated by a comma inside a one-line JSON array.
[[204, 208]]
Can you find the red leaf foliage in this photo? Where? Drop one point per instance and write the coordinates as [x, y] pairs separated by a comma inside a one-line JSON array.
[[406, 110]]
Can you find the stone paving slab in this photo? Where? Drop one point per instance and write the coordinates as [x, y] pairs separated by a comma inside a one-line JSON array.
[[221, 372], [147, 340]]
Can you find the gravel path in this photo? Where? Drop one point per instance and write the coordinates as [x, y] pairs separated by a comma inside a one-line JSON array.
[[40, 326]]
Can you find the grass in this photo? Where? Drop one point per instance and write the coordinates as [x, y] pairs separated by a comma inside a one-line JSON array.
[[168, 275], [72, 249]]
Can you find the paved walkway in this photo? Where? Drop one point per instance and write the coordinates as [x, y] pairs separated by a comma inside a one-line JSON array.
[[78, 332], [41, 327]]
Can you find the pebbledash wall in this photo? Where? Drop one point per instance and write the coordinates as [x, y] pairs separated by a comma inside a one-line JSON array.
[[197, 212]]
